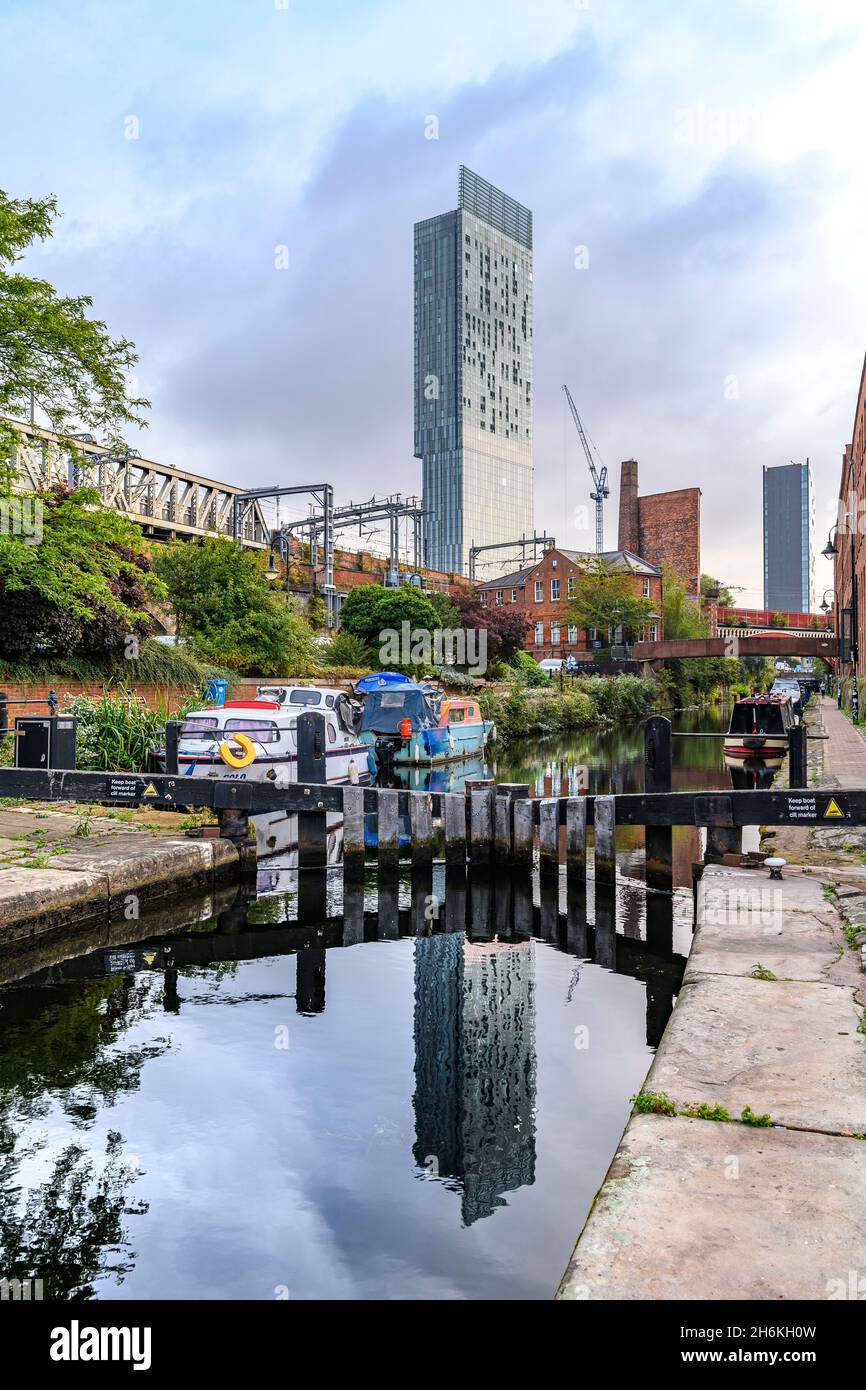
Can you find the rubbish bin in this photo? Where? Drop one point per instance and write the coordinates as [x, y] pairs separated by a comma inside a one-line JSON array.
[[215, 691]]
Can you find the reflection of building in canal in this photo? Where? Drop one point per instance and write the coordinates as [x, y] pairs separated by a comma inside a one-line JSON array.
[[475, 1067]]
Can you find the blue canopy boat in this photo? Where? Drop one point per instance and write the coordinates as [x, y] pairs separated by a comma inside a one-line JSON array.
[[401, 728]]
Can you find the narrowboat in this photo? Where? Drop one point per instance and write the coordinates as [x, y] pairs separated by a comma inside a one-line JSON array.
[[759, 727], [401, 728], [256, 741]]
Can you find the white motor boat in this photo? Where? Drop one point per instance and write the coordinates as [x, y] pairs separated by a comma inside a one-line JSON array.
[[256, 741]]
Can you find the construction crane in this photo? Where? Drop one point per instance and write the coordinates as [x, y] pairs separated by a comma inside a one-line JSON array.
[[599, 479]]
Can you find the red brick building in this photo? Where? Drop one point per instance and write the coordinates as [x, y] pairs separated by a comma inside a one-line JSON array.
[[663, 527], [849, 566], [542, 592]]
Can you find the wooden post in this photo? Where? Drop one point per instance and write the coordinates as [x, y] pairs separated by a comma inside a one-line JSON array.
[[454, 804], [797, 756], [658, 764], [548, 835], [312, 824], [575, 860], [353, 911], [506, 793], [481, 825], [353, 833], [575, 841], [388, 831], [521, 815], [421, 832], [172, 733], [605, 840]]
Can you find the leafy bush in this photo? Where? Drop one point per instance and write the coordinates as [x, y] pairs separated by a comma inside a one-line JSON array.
[[528, 671], [347, 649], [116, 732], [225, 606]]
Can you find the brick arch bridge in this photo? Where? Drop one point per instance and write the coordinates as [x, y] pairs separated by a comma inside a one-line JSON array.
[[759, 644]]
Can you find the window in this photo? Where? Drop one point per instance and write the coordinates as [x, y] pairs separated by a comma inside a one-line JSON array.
[[484, 598], [332, 734], [572, 588], [498, 598], [456, 716], [539, 634], [654, 632], [305, 697], [554, 634], [646, 591], [554, 590], [572, 634], [539, 590], [260, 730], [513, 595]]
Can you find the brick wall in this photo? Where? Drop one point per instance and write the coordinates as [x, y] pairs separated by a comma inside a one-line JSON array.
[[670, 533], [664, 528]]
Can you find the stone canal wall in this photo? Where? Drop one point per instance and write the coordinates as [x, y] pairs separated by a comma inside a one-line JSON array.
[[767, 1026], [63, 880]]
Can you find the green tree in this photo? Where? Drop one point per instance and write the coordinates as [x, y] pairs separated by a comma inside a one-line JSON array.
[[682, 617], [779, 620], [76, 580], [605, 599], [725, 599], [50, 349], [225, 606], [371, 610]]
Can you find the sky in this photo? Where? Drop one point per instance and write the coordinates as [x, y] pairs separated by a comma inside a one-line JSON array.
[[238, 182]]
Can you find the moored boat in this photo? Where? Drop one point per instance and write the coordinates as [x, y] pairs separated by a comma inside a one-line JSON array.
[[256, 741], [401, 728], [759, 728]]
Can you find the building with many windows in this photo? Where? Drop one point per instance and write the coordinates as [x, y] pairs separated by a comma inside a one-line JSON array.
[[789, 528], [473, 376], [542, 593]]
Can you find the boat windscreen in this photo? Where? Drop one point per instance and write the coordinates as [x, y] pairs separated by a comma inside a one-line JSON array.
[[758, 719], [384, 711]]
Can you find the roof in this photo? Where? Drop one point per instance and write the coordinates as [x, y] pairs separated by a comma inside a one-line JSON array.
[[616, 559], [510, 581]]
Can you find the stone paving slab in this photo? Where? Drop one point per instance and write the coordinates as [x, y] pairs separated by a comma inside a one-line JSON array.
[[748, 919], [697, 1210], [789, 1049]]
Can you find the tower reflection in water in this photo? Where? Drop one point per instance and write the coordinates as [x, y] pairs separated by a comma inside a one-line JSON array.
[[475, 1067]]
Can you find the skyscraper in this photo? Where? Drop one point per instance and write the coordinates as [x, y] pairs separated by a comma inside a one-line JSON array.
[[789, 525], [473, 375]]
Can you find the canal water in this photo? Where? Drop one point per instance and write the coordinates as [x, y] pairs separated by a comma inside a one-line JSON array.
[[272, 1093]]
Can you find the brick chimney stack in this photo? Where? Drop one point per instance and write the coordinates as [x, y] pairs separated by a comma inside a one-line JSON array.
[[629, 526]]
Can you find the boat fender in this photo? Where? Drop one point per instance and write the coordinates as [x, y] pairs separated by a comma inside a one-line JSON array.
[[247, 755], [406, 729], [353, 773]]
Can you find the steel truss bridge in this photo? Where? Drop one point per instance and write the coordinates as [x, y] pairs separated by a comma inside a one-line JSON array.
[[166, 502]]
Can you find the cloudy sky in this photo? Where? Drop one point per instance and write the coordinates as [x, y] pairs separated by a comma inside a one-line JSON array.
[[695, 171]]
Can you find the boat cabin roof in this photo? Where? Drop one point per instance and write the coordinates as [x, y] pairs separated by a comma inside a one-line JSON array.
[[460, 712]]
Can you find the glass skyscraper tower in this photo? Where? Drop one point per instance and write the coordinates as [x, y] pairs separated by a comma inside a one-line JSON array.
[[473, 376], [789, 525]]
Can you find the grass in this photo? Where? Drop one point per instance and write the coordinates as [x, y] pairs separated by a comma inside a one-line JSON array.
[[748, 1117], [707, 1112], [760, 972], [653, 1103], [660, 1103], [828, 892]]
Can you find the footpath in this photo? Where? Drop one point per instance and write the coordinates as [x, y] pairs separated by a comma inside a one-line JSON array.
[[742, 1171]]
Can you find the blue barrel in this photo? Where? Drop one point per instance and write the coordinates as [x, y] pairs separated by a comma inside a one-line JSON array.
[[215, 691]]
